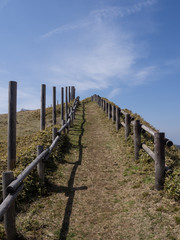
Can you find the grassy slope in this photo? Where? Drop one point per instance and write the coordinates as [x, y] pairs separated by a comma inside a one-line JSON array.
[[136, 203]]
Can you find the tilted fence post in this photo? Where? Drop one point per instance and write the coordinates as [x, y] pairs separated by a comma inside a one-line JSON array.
[[137, 138], [12, 125], [43, 107], [40, 166], [117, 118], [9, 216], [54, 106], [159, 151], [127, 125]]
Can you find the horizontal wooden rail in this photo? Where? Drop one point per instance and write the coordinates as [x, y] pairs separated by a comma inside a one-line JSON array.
[[9, 200], [148, 150], [18, 181]]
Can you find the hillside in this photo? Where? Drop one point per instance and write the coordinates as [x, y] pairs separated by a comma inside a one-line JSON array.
[[96, 190]]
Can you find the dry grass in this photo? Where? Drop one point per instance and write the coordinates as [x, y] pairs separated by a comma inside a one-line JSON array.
[[99, 192]]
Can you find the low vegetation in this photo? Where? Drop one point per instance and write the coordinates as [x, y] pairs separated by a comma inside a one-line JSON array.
[[124, 185]]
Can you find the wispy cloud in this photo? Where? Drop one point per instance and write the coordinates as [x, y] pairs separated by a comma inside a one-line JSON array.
[[102, 54], [100, 15], [114, 93]]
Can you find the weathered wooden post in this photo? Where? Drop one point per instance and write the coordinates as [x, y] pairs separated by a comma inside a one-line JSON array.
[[62, 106], [159, 151], [71, 118], [117, 118], [54, 106], [54, 133], [104, 105], [113, 114], [107, 107], [9, 216], [127, 125], [137, 138], [109, 110], [40, 166], [66, 104], [69, 95], [11, 161], [72, 93], [43, 107]]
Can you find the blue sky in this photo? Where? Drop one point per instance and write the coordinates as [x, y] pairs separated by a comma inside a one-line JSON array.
[[124, 50]]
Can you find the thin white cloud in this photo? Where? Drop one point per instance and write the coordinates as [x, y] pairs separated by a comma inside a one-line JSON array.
[[112, 12], [114, 93], [102, 54], [100, 15]]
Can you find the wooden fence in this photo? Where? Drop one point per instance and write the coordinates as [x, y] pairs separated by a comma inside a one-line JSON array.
[[11, 186], [158, 155]]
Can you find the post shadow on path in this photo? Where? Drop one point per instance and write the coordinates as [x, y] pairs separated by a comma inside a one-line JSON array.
[[70, 189]]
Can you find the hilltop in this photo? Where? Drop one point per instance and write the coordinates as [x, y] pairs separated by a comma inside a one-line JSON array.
[[95, 189]]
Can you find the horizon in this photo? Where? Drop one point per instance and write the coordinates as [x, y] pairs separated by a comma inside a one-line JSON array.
[[124, 50]]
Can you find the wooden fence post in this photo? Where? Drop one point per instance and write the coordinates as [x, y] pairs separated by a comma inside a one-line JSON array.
[[159, 151], [54, 133], [62, 106], [109, 110], [137, 138], [66, 105], [9, 216], [71, 118], [104, 105], [69, 95], [127, 125], [113, 114], [117, 118], [40, 166], [72, 93], [12, 125], [54, 106], [107, 107], [43, 107]]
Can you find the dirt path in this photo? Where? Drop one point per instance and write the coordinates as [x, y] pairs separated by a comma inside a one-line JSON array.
[[100, 193]]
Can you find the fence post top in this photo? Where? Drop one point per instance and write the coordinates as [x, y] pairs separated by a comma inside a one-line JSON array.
[[159, 134], [12, 82]]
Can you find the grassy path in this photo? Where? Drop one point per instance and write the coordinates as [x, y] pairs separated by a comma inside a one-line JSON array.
[[98, 192]]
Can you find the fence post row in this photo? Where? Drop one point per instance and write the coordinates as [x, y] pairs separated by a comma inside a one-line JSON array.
[[7, 207], [159, 138]]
